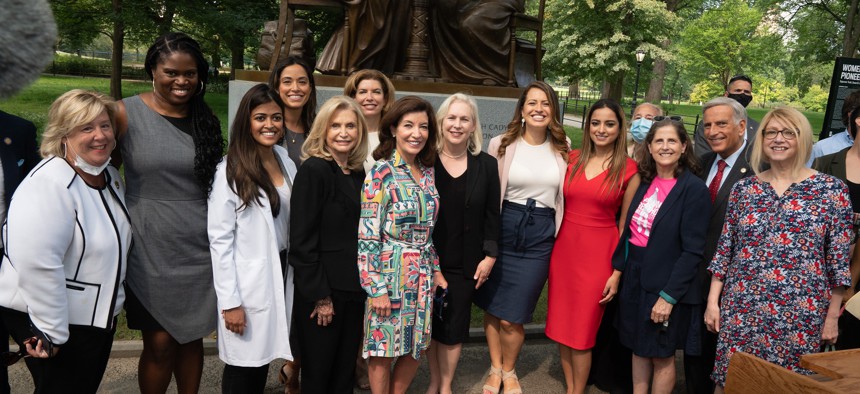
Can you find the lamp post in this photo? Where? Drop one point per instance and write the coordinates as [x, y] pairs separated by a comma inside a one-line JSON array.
[[640, 56]]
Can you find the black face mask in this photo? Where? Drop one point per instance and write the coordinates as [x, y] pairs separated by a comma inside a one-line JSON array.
[[741, 98]]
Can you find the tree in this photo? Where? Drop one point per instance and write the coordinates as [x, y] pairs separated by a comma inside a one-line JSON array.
[[598, 39], [655, 88]]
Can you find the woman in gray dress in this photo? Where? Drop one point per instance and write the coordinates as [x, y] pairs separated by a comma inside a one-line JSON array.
[[171, 142]]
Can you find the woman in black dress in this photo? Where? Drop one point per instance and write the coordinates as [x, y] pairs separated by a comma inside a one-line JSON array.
[[466, 234]]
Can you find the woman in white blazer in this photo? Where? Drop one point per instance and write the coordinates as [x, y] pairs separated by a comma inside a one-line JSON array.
[[67, 238], [249, 238]]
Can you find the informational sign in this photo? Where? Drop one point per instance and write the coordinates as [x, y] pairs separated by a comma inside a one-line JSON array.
[[846, 79]]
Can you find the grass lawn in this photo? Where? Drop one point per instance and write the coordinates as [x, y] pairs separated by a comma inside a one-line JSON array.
[[33, 102]]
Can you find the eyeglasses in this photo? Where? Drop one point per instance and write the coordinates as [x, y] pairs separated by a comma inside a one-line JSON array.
[[10, 358], [788, 134], [673, 117]]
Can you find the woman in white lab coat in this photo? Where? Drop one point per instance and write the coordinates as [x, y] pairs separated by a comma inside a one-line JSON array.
[[249, 239]]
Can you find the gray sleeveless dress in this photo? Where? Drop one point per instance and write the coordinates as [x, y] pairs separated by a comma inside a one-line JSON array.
[[169, 267]]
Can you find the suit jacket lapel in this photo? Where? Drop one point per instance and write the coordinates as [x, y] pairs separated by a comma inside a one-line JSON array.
[[738, 171], [671, 199]]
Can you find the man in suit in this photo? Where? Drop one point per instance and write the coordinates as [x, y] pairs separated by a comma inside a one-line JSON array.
[[724, 124], [18, 155], [740, 90]]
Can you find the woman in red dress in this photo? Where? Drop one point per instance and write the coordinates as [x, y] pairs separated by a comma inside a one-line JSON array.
[[600, 180]]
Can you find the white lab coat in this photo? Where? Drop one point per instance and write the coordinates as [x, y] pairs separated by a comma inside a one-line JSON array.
[[247, 272]]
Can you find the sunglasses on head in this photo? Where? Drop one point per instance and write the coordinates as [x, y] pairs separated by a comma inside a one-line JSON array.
[[10, 358], [675, 118]]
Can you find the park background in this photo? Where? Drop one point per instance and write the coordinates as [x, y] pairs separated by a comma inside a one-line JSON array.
[[692, 48]]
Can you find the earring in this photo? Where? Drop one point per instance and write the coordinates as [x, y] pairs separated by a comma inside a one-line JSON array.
[[522, 122], [202, 86], [153, 84]]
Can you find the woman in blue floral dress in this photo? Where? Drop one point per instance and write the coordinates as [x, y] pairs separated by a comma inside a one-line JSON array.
[[398, 266], [782, 260]]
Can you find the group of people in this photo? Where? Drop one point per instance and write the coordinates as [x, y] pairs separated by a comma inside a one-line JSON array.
[[352, 240]]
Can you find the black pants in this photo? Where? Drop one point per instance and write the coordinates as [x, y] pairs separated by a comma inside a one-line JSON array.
[[244, 380], [328, 353], [80, 363], [698, 369]]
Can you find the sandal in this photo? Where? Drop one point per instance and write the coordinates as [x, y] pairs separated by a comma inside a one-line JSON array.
[[487, 389], [512, 374], [289, 375]]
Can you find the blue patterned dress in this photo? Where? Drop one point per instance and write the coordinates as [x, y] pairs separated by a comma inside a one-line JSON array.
[[779, 257], [396, 256]]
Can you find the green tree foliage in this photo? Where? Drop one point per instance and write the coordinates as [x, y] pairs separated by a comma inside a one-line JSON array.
[[730, 39], [598, 39], [815, 99]]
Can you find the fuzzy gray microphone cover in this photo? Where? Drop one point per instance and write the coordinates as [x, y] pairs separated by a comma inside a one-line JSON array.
[[27, 37]]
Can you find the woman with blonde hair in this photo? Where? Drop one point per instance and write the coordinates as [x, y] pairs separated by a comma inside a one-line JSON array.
[[532, 158], [66, 241], [374, 93], [329, 306], [785, 243], [466, 234]]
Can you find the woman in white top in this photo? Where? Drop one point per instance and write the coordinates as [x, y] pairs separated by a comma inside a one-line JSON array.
[[374, 93], [67, 238], [249, 237], [532, 158]]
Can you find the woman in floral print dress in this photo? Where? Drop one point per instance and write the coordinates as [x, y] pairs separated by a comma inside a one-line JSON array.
[[782, 260], [398, 266]]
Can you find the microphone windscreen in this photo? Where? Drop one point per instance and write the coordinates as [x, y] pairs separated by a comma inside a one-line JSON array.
[[27, 37]]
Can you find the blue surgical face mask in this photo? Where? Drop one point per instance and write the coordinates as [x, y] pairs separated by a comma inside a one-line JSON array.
[[639, 128]]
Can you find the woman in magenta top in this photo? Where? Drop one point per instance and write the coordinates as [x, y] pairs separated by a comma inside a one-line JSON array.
[[600, 181]]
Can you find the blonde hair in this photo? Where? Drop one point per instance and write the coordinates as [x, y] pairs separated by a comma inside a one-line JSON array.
[[73, 109], [793, 119], [476, 139], [315, 144]]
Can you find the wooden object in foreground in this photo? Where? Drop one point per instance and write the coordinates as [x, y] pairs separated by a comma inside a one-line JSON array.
[[837, 372]]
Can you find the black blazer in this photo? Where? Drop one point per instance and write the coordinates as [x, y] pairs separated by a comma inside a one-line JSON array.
[[740, 170], [18, 151], [677, 238], [482, 221], [833, 164], [324, 211]]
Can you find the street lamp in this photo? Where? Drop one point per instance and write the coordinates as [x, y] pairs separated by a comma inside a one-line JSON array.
[[640, 56]]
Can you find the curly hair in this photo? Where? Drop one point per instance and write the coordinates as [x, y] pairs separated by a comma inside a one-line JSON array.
[[688, 161], [206, 128]]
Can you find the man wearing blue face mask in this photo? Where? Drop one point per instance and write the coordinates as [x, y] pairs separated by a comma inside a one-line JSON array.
[[740, 90], [643, 118]]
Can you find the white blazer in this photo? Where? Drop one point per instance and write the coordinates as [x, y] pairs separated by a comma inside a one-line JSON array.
[[66, 250], [247, 272]]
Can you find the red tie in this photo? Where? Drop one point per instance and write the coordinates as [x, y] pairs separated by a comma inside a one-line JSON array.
[[714, 187]]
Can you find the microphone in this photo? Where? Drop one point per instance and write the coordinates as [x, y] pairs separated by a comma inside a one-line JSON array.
[[27, 37]]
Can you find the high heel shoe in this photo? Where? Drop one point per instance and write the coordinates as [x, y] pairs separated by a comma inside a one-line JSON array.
[[487, 389], [512, 374]]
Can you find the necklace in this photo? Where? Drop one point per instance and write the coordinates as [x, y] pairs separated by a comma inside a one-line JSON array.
[[453, 157]]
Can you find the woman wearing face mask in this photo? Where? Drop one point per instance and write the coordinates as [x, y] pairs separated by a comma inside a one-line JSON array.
[[643, 118], [294, 80], [374, 93], [600, 182], [67, 238], [248, 227]]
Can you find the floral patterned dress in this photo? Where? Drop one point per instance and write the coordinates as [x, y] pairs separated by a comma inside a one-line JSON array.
[[396, 256], [779, 257]]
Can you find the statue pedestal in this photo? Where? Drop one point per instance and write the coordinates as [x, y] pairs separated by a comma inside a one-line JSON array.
[[495, 104]]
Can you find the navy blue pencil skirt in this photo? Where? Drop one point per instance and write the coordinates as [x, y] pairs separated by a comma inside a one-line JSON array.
[[518, 277]]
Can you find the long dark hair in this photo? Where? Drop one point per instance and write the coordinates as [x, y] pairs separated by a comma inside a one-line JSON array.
[[687, 161], [618, 161], [557, 137], [309, 110], [245, 172], [205, 126], [407, 105]]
